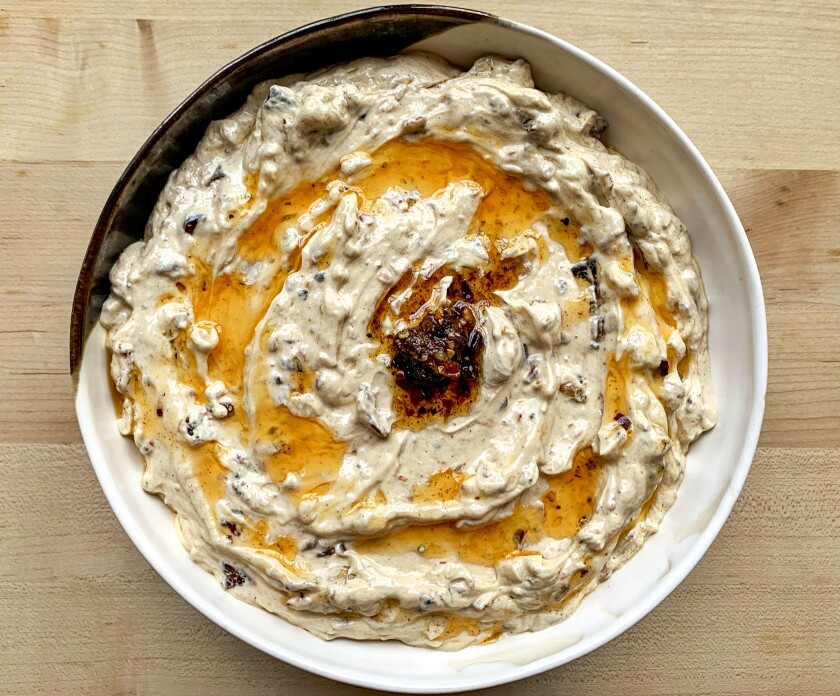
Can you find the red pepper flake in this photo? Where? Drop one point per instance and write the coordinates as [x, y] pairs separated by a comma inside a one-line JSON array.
[[623, 421], [232, 528], [233, 576]]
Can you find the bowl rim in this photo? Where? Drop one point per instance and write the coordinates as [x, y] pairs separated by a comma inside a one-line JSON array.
[[627, 619]]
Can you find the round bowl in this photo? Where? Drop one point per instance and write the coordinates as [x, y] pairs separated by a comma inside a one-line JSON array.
[[717, 465]]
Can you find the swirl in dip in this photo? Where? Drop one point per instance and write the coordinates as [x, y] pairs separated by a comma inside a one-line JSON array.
[[410, 352]]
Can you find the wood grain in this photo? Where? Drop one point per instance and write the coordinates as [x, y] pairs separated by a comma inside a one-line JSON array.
[[755, 84], [752, 83]]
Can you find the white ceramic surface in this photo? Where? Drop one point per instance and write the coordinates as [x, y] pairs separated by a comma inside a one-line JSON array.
[[717, 465]]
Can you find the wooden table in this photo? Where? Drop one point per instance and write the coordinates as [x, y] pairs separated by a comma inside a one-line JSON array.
[[755, 84]]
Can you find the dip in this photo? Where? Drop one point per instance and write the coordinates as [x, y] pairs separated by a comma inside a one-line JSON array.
[[410, 353]]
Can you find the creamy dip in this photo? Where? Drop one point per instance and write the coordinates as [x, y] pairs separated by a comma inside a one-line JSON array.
[[410, 353]]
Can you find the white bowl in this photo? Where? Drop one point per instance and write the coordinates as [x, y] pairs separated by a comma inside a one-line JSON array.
[[717, 464]]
